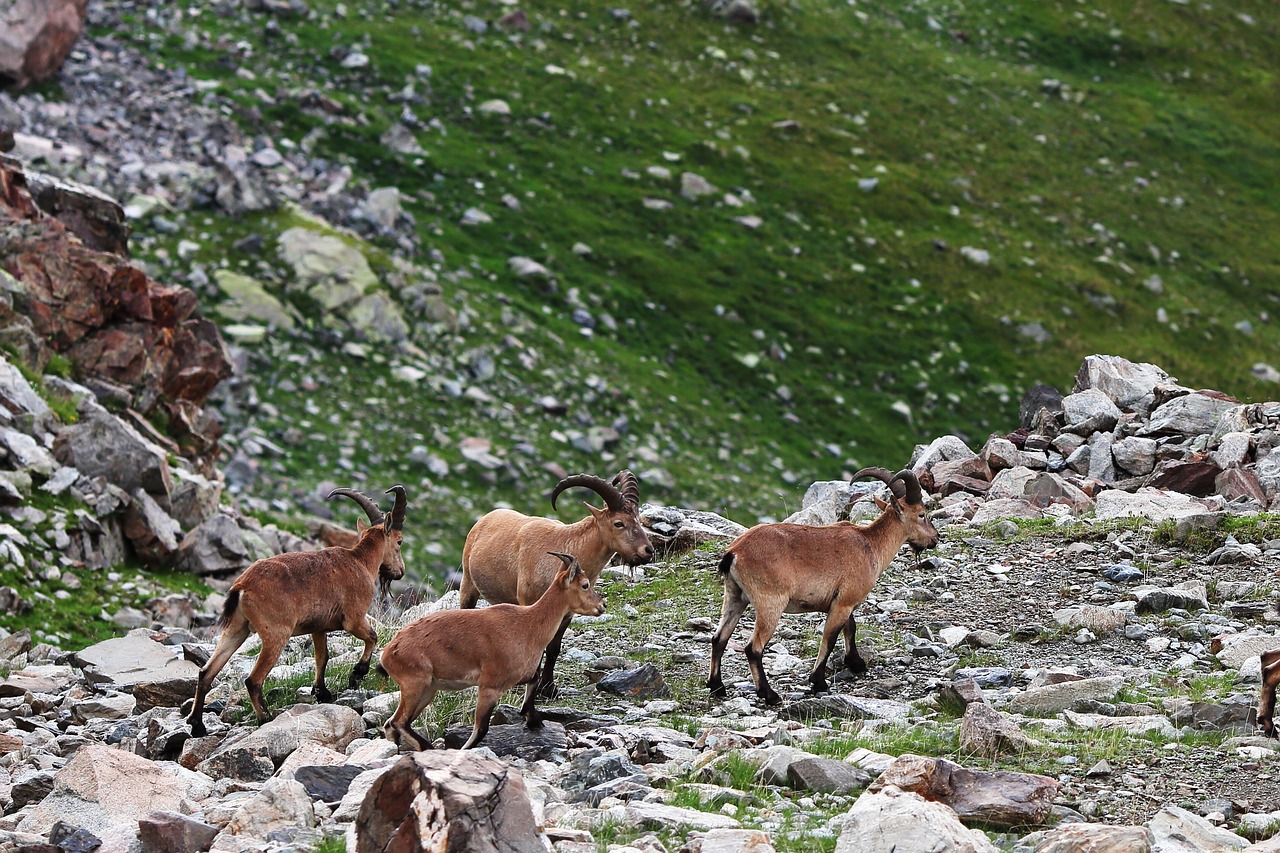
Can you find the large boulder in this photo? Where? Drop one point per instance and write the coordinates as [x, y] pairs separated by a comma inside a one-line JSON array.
[[102, 445], [219, 546], [332, 726], [1190, 415], [1131, 386], [451, 800], [125, 663], [36, 37], [106, 790], [998, 798], [905, 822]]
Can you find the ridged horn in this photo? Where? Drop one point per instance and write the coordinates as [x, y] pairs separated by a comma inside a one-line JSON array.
[[629, 486], [908, 479], [366, 503], [397, 511], [612, 497], [889, 479]]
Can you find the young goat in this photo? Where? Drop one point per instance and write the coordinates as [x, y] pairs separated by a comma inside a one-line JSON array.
[[505, 559], [495, 648], [308, 592], [795, 568], [1267, 699]]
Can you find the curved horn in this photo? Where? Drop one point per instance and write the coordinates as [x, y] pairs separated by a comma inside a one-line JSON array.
[[567, 559], [366, 503], [908, 479], [629, 486], [612, 497], [397, 511], [889, 479]]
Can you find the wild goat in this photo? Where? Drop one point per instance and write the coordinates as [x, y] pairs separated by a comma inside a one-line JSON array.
[[796, 568], [495, 648], [505, 555], [1267, 699], [308, 592]]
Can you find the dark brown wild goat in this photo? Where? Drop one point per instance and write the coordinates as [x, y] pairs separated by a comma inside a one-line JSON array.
[[308, 592], [494, 648], [505, 558], [1267, 698], [797, 568]]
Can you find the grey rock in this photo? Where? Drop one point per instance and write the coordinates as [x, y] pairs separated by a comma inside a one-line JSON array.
[[219, 546], [1191, 414], [644, 682], [1131, 386], [1055, 698], [1176, 830], [102, 445], [1089, 411], [827, 775], [987, 732], [125, 662]]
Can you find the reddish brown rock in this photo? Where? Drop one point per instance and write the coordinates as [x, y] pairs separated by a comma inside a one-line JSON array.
[[1194, 477], [998, 799], [1237, 482], [35, 38], [119, 326]]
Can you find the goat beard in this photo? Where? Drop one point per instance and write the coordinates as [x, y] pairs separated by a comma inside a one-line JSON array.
[[384, 584]]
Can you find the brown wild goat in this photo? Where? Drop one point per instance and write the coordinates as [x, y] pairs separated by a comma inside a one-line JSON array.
[[308, 592], [495, 648], [1267, 699], [505, 558], [796, 568]]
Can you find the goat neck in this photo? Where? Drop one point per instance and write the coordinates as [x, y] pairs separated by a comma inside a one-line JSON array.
[[583, 540], [370, 549], [547, 614], [886, 535]]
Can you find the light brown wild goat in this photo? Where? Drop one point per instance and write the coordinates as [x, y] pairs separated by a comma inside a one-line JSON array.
[[505, 559], [308, 592], [796, 568], [495, 648], [1267, 698]]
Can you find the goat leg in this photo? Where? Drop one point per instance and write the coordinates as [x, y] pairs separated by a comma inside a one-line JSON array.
[[755, 659], [485, 703], [852, 660], [735, 602], [532, 719], [546, 682], [320, 641], [1267, 698], [361, 630]]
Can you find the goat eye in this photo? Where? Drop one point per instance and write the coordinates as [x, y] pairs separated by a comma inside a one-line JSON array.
[[619, 525]]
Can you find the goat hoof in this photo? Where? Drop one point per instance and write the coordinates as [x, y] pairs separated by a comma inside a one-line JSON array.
[[198, 729], [323, 695], [855, 665], [533, 721], [771, 698], [717, 690], [819, 685]]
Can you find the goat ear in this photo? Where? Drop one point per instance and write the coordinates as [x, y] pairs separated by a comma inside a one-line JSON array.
[[881, 504], [361, 526], [597, 513]]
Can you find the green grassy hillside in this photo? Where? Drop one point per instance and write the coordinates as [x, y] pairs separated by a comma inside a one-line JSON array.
[[1117, 161]]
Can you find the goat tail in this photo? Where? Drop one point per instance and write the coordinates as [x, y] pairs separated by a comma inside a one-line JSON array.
[[381, 670], [229, 609], [726, 562]]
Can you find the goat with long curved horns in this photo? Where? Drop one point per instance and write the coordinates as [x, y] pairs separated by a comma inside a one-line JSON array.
[[797, 568], [506, 556], [308, 592]]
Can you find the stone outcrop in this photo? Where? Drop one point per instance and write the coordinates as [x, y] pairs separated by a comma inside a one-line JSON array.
[[35, 38]]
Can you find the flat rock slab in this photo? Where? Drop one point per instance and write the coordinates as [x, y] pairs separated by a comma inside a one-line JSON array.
[[125, 662], [846, 707], [547, 742], [332, 726], [1055, 698], [658, 816], [998, 799]]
